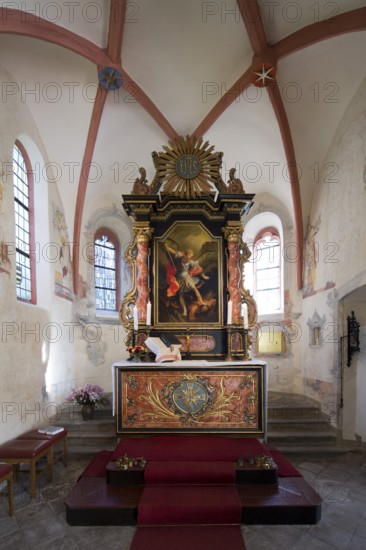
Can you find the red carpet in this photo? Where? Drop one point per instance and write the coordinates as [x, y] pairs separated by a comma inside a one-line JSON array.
[[97, 466], [212, 537], [223, 453], [189, 499], [170, 447], [189, 504], [189, 472]]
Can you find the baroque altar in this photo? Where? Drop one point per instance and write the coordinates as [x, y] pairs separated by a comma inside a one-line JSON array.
[[187, 261], [187, 257]]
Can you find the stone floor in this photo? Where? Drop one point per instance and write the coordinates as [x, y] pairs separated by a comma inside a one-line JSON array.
[[340, 480]]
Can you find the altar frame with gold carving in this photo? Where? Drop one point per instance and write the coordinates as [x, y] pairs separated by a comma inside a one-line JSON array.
[[204, 267], [218, 398], [189, 215]]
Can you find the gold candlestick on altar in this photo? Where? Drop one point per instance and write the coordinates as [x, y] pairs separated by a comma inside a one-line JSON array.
[[135, 337]]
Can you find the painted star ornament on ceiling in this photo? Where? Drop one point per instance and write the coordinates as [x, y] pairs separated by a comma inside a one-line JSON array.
[[110, 78], [264, 75]]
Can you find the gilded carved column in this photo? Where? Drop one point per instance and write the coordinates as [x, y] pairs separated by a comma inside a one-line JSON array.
[[233, 232], [142, 235]]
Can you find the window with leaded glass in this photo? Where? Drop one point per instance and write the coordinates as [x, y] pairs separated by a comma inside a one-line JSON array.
[[24, 223], [268, 273], [106, 270]]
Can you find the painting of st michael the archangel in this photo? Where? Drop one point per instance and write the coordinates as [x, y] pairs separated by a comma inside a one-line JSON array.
[[189, 275]]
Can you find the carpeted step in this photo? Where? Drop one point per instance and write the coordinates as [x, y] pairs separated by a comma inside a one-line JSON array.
[[170, 447], [189, 472], [214, 537], [97, 467], [189, 504]]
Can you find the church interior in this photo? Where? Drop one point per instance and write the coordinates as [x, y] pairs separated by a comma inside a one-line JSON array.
[[216, 219]]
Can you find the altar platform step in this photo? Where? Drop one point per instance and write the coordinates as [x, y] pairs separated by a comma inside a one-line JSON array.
[[87, 437], [292, 406], [298, 425], [291, 502]]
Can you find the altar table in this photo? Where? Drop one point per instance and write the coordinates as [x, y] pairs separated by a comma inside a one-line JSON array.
[[191, 397]]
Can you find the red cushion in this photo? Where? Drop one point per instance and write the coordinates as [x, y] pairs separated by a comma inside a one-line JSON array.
[[5, 469], [23, 448], [34, 434]]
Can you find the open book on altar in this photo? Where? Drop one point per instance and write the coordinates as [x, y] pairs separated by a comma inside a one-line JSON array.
[[162, 351]]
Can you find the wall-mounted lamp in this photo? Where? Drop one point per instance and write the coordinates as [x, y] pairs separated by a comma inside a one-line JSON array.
[[353, 337]]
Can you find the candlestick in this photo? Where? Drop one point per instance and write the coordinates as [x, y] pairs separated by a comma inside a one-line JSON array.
[[229, 312], [148, 313], [135, 318], [244, 314]]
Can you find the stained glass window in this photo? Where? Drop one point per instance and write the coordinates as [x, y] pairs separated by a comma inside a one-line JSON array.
[[106, 270]]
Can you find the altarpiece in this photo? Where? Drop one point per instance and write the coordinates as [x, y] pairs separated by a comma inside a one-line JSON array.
[[187, 261]]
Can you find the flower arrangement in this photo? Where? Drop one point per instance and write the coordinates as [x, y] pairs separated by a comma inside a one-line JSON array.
[[137, 353], [89, 395]]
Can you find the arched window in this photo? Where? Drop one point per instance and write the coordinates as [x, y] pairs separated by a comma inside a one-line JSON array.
[[267, 271], [106, 270], [24, 225]]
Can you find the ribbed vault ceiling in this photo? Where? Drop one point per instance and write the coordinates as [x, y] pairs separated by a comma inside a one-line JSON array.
[[187, 68]]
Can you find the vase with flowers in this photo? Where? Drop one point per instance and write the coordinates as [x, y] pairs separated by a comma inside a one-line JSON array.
[[90, 397], [137, 353]]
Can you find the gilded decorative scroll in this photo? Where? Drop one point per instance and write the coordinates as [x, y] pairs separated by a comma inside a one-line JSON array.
[[136, 256], [238, 255]]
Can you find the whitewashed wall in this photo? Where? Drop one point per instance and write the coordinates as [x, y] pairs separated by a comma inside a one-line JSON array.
[[339, 203], [48, 347]]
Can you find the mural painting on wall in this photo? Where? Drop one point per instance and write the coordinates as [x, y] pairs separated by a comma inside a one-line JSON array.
[[1, 198], [5, 264], [188, 271], [311, 257], [63, 271]]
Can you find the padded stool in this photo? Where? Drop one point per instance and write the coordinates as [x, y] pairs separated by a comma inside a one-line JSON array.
[[6, 474], [28, 451], [56, 439]]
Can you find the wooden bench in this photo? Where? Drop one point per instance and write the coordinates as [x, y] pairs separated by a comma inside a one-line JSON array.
[[28, 451], [56, 439], [6, 474]]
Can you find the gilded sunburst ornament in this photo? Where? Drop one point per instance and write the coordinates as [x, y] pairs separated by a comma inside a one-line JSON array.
[[188, 167]]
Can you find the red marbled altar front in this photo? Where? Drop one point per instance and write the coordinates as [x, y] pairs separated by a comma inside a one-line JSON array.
[[229, 400]]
